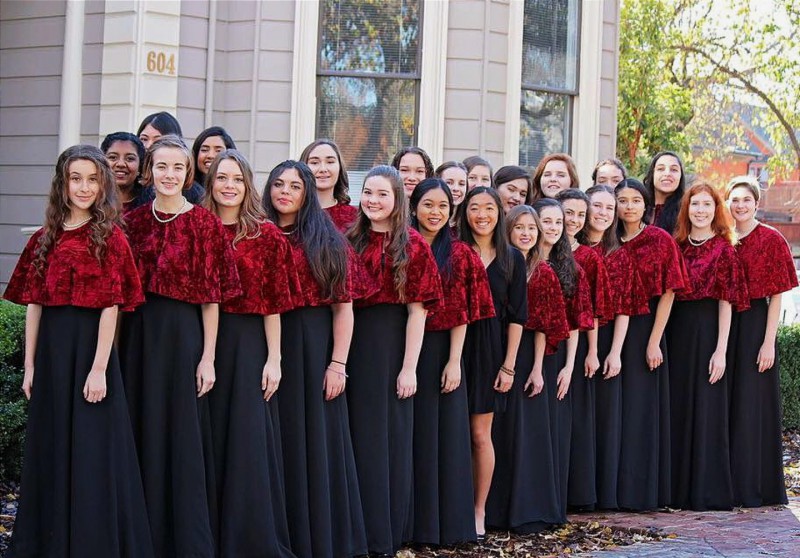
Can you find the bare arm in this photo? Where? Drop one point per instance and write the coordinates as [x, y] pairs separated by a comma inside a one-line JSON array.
[[206, 375], [94, 389], [613, 363], [336, 374], [592, 363], [415, 330], [766, 355], [505, 380], [536, 377], [271, 375], [451, 375], [654, 356], [33, 315], [716, 367], [565, 375]]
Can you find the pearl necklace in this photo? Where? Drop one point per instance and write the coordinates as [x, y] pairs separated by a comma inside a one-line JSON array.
[[637, 233], [168, 219], [69, 227], [694, 242], [574, 244]]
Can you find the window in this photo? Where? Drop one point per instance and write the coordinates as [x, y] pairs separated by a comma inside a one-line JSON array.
[[368, 76], [549, 77]]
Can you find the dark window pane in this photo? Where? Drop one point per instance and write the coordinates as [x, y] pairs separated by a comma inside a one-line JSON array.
[[550, 44], [544, 126], [369, 119], [369, 36]]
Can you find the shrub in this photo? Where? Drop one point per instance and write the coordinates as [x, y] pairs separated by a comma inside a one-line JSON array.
[[13, 406], [789, 354]]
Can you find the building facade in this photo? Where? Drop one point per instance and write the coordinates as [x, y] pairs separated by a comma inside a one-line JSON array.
[[509, 80]]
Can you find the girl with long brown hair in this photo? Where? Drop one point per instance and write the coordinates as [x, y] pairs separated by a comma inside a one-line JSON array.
[[81, 488], [697, 340], [325, 160], [387, 338], [246, 444]]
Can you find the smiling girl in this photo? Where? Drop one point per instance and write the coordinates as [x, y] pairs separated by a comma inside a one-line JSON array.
[[513, 184], [756, 454], [697, 339], [479, 172], [125, 154], [454, 174], [387, 338], [665, 181], [324, 159], [81, 489], [644, 463], [524, 494], [414, 166], [208, 144], [553, 174], [247, 457], [443, 500], [168, 349], [492, 343]]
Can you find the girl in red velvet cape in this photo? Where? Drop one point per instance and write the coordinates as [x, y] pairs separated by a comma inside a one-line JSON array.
[[697, 337], [581, 492], [81, 490], [644, 463], [168, 347], [754, 376], [599, 235], [325, 161], [491, 344], [524, 495], [322, 493], [443, 492], [387, 338], [559, 366], [246, 437]]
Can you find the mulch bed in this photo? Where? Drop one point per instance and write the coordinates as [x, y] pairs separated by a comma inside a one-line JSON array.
[[578, 536]]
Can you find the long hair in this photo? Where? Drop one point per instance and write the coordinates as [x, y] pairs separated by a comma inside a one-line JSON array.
[[633, 184], [721, 224], [397, 249], [609, 241], [561, 259], [426, 160], [251, 214], [164, 122], [476, 161], [171, 142], [534, 257], [442, 245], [323, 244], [503, 250], [574, 194], [104, 212], [537, 174], [616, 162], [512, 172], [669, 214], [202, 137], [341, 190]]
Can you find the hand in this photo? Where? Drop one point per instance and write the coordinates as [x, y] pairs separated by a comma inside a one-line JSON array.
[[766, 357], [591, 364], [206, 376], [613, 365], [451, 376], [535, 381], [654, 356], [563, 381], [503, 382], [27, 382], [716, 368], [270, 379], [94, 389], [406, 383], [334, 381]]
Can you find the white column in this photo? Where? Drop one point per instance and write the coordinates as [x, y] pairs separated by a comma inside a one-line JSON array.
[[516, 13], [304, 76], [211, 58], [430, 129], [69, 129]]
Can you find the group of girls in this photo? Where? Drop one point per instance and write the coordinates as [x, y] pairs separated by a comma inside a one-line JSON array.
[[223, 372]]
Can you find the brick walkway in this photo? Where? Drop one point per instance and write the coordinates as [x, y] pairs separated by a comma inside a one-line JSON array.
[[742, 533]]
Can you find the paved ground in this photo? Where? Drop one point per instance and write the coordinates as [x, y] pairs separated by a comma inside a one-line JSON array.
[[746, 533]]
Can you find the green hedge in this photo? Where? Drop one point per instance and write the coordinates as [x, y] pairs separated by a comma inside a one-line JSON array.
[[13, 406], [789, 354]]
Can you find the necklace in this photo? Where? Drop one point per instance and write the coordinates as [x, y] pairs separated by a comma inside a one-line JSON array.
[[574, 244], [69, 227], [755, 224], [694, 242], [168, 219], [637, 233]]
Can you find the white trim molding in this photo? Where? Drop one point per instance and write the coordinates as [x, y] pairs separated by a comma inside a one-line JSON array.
[[516, 15], [586, 111], [304, 76], [69, 125], [433, 74]]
